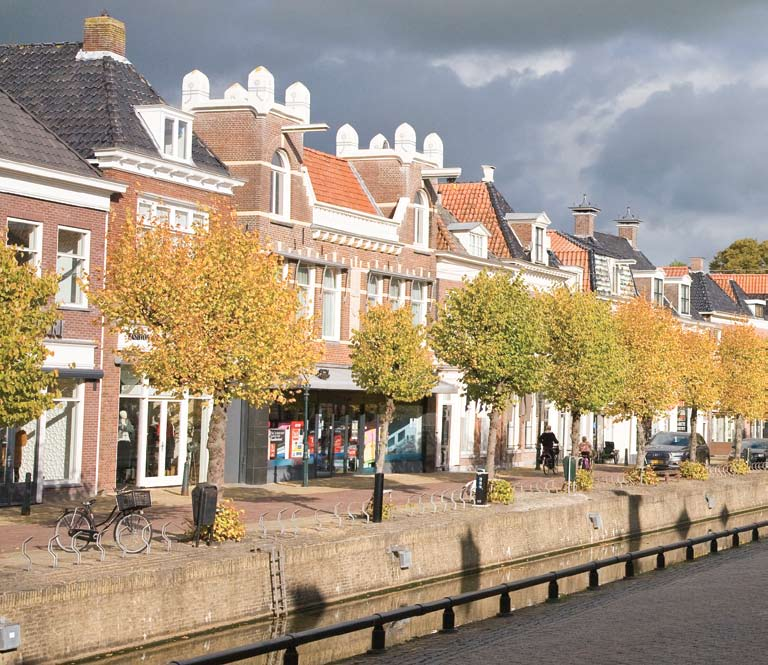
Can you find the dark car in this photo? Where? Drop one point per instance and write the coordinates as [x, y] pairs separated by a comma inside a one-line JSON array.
[[754, 450], [666, 450]]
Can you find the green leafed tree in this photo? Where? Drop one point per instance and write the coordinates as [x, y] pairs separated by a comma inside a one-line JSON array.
[[390, 358], [742, 256], [493, 331], [219, 318], [587, 361], [26, 313]]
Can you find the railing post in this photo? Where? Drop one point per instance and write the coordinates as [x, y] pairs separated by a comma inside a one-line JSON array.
[[553, 592], [449, 620], [689, 553], [378, 638], [755, 535], [713, 546], [660, 561], [594, 578], [629, 568], [291, 656], [505, 605], [735, 539]]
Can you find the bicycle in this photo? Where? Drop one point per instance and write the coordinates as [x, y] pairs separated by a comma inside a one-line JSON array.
[[549, 461], [585, 462], [132, 530]]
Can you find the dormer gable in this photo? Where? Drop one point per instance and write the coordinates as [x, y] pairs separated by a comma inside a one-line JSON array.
[[531, 230], [170, 129], [473, 237]]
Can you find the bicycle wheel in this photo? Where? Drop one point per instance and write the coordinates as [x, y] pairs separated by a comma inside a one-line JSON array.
[[545, 465], [65, 525], [133, 533]]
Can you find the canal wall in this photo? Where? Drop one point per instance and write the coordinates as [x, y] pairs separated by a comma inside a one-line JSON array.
[[97, 607]]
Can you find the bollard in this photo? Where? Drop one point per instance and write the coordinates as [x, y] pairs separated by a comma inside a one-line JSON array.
[[755, 535], [626, 457], [629, 568], [713, 546], [689, 554], [185, 476], [378, 638], [505, 605], [449, 621], [735, 540], [660, 561], [594, 579], [291, 656], [26, 501], [553, 591]]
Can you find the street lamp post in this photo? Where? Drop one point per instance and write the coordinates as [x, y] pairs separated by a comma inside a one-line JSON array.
[[305, 452]]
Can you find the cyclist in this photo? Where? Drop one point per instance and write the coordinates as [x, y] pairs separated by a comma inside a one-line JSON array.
[[585, 451], [548, 442]]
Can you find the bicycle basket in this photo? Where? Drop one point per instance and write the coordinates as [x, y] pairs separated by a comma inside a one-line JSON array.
[[134, 500]]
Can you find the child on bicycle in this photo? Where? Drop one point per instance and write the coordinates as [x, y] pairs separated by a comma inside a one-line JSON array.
[[585, 451]]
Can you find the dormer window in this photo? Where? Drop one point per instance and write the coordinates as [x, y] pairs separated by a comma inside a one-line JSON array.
[[478, 245], [615, 278], [658, 292], [539, 255], [685, 299], [170, 129], [175, 143], [420, 220]]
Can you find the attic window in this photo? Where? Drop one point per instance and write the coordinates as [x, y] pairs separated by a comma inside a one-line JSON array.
[[478, 245], [538, 245], [175, 138], [685, 299], [170, 129]]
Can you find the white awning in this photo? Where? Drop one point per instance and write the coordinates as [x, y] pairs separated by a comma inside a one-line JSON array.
[[340, 378]]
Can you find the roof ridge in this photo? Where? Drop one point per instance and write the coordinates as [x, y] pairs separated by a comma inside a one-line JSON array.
[[80, 44], [47, 129]]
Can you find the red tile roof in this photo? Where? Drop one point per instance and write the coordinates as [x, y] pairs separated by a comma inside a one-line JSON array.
[[570, 254], [471, 202], [334, 182], [752, 284], [675, 271]]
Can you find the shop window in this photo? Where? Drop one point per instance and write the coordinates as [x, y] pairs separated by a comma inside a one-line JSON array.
[[419, 303], [374, 290], [420, 220], [63, 435], [72, 266], [331, 304], [396, 293], [279, 189], [305, 282], [26, 238]]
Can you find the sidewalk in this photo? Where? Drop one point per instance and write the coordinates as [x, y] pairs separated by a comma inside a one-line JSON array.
[[318, 501]]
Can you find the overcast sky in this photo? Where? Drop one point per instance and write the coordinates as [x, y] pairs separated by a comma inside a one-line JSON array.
[[662, 106]]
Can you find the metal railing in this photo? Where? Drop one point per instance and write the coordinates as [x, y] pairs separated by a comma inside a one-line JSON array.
[[376, 622]]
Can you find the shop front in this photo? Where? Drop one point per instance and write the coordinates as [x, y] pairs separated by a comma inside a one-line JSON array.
[[158, 433]]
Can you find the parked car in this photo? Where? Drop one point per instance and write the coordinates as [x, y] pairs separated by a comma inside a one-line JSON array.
[[666, 450], [754, 451]]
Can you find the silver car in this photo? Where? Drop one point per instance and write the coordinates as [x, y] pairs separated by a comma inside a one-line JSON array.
[[666, 450]]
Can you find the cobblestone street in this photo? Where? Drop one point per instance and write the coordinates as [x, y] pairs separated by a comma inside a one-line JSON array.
[[710, 611]]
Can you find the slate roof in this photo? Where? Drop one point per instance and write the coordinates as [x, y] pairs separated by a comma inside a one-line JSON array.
[[88, 103], [707, 296], [740, 296], [752, 284], [334, 181], [25, 139], [482, 202]]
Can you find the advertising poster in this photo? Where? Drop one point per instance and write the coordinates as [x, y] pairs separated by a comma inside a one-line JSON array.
[[278, 438], [297, 438]]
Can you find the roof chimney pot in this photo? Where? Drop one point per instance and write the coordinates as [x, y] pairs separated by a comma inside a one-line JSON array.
[[488, 171], [584, 216], [104, 34], [697, 263]]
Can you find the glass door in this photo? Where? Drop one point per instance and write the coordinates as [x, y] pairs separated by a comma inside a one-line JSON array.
[[163, 457]]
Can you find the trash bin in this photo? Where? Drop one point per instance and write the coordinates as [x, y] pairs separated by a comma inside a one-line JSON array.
[[569, 468], [205, 496], [481, 487]]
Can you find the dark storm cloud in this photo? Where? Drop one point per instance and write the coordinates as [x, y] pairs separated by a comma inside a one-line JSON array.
[[655, 104]]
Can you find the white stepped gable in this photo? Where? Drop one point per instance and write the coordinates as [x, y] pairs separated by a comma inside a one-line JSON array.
[[405, 138], [297, 100], [433, 149], [195, 89], [236, 93], [379, 142], [347, 140], [261, 89]]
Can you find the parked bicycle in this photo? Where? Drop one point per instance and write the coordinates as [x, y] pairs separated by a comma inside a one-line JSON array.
[[77, 528]]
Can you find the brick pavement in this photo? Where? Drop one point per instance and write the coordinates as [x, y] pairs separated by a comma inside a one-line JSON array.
[[709, 611]]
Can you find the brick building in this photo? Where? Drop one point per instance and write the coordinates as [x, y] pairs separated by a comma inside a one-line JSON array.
[[94, 100]]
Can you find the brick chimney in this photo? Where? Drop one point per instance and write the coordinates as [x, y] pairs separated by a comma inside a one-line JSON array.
[[584, 218], [697, 264], [628, 225], [104, 34]]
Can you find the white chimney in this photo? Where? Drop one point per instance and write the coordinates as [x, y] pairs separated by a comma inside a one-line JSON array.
[[195, 89], [405, 138], [297, 100], [488, 172], [347, 140]]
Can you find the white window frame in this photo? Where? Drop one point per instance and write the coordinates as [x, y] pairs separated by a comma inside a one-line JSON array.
[[85, 265], [615, 277], [75, 465], [682, 301], [335, 292], [419, 305], [478, 244], [179, 151], [396, 292], [193, 214], [306, 291], [374, 297], [37, 241], [657, 297], [420, 219], [280, 185], [539, 251]]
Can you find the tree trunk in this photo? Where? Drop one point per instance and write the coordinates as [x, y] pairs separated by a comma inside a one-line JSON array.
[[692, 441], [575, 429], [217, 438], [644, 427], [739, 434], [381, 452], [493, 435]]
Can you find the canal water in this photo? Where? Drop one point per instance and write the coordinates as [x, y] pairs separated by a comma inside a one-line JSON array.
[[334, 649]]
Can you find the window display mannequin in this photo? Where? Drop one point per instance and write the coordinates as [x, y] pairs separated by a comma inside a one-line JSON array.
[[126, 449]]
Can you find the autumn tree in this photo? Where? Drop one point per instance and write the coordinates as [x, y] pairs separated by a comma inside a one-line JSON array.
[[651, 340], [699, 377], [587, 362], [742, 256], [492, 331], [26, 314], [744, 376], [217, 315], [390, 358]]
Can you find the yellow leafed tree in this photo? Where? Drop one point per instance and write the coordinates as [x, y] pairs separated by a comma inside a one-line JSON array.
[[218, 317]]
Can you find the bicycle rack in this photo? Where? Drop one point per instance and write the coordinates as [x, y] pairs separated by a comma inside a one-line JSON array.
[[318, 524], [52, 553], [78, 559], [349, 512], [280, 520], [147, 540], [363, 507], [294, 522], [25, 555], [443, 502], [262, 525], [421, 504], [336, 513], [164, 535], [102, 552], [432, 502]]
